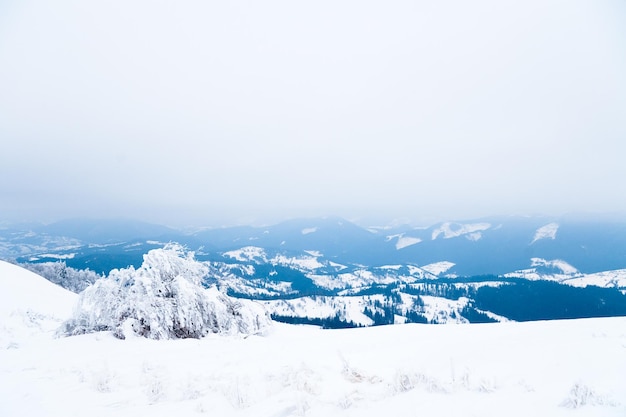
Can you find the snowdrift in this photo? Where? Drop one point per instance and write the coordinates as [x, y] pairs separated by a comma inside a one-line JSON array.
[[163, 299]]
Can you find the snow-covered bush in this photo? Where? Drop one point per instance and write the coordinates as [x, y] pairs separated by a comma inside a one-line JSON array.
[[75, 280], [581, 395], [163, 299]]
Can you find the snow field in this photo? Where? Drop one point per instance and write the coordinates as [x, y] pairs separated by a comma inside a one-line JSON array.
[[514, 369]]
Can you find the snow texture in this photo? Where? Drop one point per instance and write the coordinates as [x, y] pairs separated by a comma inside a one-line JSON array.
[[163, 299], [558, 368]]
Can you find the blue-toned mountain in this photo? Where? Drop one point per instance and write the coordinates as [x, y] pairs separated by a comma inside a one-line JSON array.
[[495, 245]]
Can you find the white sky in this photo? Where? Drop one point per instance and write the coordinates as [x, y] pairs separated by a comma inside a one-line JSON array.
[[204, 112]]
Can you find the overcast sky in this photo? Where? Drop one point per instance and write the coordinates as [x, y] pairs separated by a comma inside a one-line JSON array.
[[206, 112]]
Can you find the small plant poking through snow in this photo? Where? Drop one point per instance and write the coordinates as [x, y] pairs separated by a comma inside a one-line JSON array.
[[581, 395], [163, 299]]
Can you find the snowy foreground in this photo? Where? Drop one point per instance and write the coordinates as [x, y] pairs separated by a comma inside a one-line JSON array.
[[558, 368]]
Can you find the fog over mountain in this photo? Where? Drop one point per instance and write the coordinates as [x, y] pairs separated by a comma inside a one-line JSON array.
[[209, 114]]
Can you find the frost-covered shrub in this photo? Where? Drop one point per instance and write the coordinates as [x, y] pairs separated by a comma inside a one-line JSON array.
[[163, 299], [581, 395], [75, 280]]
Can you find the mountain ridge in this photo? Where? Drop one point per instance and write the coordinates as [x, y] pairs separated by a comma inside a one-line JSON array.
[[489, 245]]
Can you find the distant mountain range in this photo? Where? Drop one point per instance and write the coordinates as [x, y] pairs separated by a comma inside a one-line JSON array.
[[497, 245], [335, 273]]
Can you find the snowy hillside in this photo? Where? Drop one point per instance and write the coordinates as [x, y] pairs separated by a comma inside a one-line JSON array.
[[546, 232], [22, 290], [29, 305], [606, 279], [553, 270], [560, 271], [452, 230], [368, 310]]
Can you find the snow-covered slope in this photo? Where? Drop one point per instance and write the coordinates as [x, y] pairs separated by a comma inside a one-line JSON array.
[[605, 279], [22, 290], [546, 232], [247, 254], [438, 268], [347, 308], [451, 230], [351, 309], [29, 305], [561, 271], [551, 270], [403, 241]]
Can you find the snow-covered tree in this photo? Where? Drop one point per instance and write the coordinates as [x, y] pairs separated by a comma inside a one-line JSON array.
[[163, 299]]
